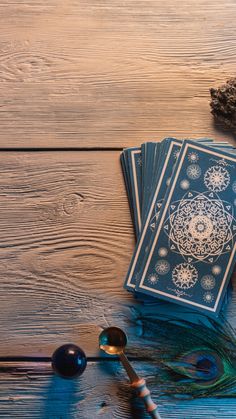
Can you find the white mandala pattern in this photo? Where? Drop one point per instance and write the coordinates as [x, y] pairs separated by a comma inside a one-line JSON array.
[[216, 270], [162, 252], [194, 171], [184, 184], [184, 275], [193, 157], [162, 267], [217, 179], [200, 226], [208, 282], [208, 297], [152, 279]]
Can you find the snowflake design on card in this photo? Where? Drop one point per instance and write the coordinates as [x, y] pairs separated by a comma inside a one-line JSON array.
[[208, 297], [162, 267], [152, 278], [208, 282], [193, 157], [184, 184], [184, 276], [216, 270], [163, 252], [194, 171], [217, 178], [200, 226]]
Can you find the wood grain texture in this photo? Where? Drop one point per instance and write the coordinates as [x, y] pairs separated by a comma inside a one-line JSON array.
[[95, 73], [66, 241], [101, 392], [91, 74]]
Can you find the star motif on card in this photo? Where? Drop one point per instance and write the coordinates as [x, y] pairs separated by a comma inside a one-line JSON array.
[[184, 184], [162, 252], [217, 179], [152, 278], [162, 267], [194, 171], [208, 297], [216, 270], [184, 275], [208, 282], [193, 157]]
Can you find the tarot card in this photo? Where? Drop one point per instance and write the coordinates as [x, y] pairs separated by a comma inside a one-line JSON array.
[[192, 250], [172, 148], [159, 178], [125, 174], [144, 157], [153, 153], [131, 166], [125, 169], [135, 169]]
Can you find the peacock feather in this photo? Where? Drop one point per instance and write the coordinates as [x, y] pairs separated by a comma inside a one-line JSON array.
[[190, 359]]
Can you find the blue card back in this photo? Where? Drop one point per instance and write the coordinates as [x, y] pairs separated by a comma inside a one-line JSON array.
[[192, 252]]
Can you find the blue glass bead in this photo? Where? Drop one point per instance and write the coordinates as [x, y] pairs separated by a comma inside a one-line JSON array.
[[69, 361]]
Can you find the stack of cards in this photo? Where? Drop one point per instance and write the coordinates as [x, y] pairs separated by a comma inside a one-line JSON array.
[[182, 196]]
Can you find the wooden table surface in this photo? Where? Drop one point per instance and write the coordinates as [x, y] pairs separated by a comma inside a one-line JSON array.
[[80, 80]]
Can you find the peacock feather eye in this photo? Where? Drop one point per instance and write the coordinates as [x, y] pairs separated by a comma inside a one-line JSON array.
[[191, 359], [204, 366]]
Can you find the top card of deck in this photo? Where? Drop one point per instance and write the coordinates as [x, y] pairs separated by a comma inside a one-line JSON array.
[[192, 253], [169, 156]]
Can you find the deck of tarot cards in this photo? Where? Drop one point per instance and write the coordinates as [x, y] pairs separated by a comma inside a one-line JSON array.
[[182, 196]]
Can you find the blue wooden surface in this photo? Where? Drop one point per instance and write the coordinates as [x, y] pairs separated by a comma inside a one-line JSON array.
[[97, 76]]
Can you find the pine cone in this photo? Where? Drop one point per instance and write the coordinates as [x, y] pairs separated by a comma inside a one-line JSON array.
[[223, 103]]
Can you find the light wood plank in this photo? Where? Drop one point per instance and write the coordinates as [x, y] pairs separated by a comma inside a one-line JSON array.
[[111, 74], [66, 241]]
